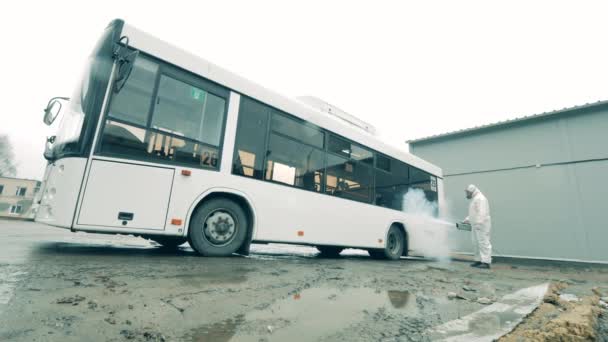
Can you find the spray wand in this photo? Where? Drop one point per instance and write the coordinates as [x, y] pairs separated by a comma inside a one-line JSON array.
[[463, 226]]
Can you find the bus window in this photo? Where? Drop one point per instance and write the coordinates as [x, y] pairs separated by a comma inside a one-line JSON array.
[[425, 182], [391, 187], [348, 179], [297, 130], [338, 146], [133, 102], [383, 163], [120, 139], [361, 154], [294, 163], [189, 111], [123, 139], [250, 145], [347, 149]]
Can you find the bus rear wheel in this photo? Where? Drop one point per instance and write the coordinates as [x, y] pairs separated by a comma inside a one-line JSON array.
[[395, 243], [169, 242], [330, 251], [218, 228]]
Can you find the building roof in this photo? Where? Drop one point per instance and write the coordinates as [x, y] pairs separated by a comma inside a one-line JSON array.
[[506, 122], [21, 179]]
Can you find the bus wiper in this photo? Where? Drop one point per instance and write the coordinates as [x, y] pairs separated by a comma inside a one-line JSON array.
[[125, 58]]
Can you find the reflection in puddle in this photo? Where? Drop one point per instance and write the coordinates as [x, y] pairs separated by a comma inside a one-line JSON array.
[[308, 315], [399, 299], [218, 332]]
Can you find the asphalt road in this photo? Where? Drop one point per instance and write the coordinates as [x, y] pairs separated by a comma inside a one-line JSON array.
[[60, 286]]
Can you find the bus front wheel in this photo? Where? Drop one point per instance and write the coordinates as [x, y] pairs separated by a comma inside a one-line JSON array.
[[218, 228], [395, 243]]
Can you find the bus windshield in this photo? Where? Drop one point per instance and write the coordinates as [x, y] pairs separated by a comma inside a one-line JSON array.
[[78, 121]]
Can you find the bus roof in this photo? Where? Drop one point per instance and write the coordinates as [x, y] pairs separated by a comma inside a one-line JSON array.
[[185, 60]]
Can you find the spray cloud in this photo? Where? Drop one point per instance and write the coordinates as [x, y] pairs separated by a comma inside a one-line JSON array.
[[431, 234]]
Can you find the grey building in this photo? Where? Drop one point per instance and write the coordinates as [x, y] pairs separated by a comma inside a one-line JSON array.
[[544, 176]]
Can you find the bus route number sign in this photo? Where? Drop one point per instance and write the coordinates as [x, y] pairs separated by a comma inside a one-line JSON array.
[[209, 158]]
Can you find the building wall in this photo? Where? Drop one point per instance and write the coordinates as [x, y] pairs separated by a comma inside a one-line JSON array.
[[9, 197], [544, 179]]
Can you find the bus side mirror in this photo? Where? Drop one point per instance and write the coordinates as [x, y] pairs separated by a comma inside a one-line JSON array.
[[52, 109]]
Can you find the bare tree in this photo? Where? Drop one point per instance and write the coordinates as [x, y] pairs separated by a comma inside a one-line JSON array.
[[7, 158]]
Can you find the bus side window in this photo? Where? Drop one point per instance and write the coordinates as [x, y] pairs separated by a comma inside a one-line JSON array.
[[293, 163], [392, 185], [133, 102], [250, 143], [348, 179], [123, 139]]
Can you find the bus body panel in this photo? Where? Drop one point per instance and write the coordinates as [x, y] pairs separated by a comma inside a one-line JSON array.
[[443, 206], [282, 214], [230, 133], [126, 195], [60, 195]]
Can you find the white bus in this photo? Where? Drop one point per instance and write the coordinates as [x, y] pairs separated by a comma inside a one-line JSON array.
[[159, 143]]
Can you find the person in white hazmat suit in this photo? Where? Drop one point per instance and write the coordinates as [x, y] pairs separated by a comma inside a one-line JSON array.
[[481, 224]]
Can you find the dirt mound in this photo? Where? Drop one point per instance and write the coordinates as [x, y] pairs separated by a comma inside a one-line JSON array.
[[558, 319]]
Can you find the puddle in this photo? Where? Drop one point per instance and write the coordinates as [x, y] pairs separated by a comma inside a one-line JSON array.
[[209, 278], [9, 277], [217, 332], [308, 315]]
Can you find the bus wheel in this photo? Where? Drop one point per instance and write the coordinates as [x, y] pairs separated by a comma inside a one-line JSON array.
[[218, 228], [395, 243], [329, 251], [168, 241]]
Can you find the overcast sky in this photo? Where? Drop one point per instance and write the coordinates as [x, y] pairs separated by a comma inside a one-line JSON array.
[[412, 69]]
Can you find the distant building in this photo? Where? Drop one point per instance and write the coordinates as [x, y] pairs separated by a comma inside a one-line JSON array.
[[17, 196], [543, 175]]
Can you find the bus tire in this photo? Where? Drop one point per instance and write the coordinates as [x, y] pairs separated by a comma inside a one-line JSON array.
[[395, 244], [169, 242], [329, 251], [218, 228]]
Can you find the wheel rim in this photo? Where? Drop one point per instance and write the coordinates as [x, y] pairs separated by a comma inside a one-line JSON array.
[[220, 227], [392, 245]]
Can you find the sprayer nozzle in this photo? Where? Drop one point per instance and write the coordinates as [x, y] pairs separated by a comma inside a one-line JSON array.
[[463, 226]]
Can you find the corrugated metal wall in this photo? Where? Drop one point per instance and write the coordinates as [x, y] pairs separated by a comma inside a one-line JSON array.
[[545, 179]]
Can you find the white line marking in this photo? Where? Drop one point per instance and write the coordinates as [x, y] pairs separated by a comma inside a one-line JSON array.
[[494, 320]]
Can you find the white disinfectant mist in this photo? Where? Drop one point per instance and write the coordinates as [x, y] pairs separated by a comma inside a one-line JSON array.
[[429, 234]]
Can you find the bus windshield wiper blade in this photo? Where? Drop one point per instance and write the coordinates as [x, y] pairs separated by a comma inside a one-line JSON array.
[[125, 61]]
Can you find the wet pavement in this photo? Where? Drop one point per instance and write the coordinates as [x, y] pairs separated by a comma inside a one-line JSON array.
[[61, 286]]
